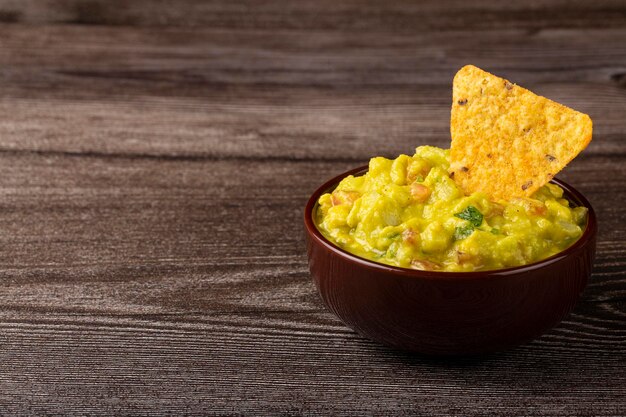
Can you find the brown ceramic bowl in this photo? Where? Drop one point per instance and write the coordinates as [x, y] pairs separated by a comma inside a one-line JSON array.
[[449, 313]]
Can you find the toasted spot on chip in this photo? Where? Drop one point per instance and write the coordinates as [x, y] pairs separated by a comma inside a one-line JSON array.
[[507, 141]]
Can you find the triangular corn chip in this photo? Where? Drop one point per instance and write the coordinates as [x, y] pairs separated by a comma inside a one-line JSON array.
[[506, 141]]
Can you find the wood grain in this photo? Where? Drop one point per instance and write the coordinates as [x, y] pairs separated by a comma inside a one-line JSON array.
[[360, 15], [155, 158], [266, 94]]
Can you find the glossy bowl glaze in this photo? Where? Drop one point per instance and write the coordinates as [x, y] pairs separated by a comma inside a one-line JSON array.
[[449, 313]]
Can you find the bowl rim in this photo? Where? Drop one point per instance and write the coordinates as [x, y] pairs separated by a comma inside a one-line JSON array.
[[314, 233]]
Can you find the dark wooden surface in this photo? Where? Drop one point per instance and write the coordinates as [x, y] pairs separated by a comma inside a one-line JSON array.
[[155, 158]]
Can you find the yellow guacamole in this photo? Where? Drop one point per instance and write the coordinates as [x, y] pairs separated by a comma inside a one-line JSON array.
[[408, 212]]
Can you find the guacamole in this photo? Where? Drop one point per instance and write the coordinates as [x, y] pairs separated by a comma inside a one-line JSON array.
[[408, 212]]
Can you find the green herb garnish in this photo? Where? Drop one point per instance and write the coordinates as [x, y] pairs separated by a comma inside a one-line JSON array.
[[472, 215], [461, 232]]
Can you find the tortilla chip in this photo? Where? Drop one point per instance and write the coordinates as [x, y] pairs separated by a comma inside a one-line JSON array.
[[507, 141]]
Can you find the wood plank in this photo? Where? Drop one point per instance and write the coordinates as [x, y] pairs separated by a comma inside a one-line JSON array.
[[352, 15], [253, 374], [177, 57]]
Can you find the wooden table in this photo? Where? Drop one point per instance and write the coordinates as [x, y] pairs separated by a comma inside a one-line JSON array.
[[155, 158]]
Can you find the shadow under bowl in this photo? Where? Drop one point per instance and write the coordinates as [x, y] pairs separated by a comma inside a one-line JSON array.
[[449, 313]]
